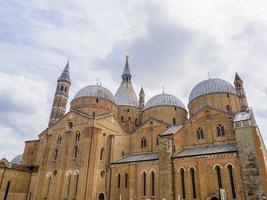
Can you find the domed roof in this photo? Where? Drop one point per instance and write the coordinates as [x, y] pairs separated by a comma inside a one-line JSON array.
[[95, 91], [209, 86], [164, 99], [126, 95], [17, 159]]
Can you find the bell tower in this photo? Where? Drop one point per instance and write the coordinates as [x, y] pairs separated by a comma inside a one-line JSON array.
[[241, 92], [61, 96]]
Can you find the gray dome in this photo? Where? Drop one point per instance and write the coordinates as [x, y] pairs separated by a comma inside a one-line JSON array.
[[209, 86], [17, 159], [164, 99], [95, 91], [126, 95]]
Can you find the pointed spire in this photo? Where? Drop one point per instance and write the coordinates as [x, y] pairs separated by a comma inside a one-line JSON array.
[[65, 75], [126, 75], [237, 77], [142, 91]]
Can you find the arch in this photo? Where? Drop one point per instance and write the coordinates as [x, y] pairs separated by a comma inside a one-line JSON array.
[[200, 133], [181, 168], [61, 88], [226, 166], [152, 183], [218, 166], [143, 171], [192, 167], [48, 174], [76, 172], [48, 184], [101, 196], [7, 190], [68, 173]]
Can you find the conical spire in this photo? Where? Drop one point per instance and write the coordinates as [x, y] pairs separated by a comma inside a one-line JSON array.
[[126, 75], [65, 75], [142, 91], [237, 77]]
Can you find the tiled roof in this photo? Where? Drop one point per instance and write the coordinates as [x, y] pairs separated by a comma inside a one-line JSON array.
[[137, 158], [225, 148]]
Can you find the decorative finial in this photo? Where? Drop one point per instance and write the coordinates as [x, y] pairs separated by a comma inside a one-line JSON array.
[[209, 75], [163, 92], [127, 56]]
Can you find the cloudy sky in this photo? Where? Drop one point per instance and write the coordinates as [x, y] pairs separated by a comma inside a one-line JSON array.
[[172, 43]]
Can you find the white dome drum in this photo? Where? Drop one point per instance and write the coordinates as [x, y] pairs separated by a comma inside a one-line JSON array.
[[166, 108], [214, 85], [94, 100], [164, 100], [95, 91]]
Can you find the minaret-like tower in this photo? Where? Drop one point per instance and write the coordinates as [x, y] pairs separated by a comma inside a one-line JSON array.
[[61, 96], [241, 92], [141, 99]]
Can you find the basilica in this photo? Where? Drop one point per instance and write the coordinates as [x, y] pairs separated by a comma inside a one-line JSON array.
[[121, 147]]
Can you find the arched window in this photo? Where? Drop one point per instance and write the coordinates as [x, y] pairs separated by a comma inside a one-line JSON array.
[[200, 133], [174, 121], [102, 154], [121, 118], [7, 190], [96, 100], [61, 88], [193, 182], [126, 180], [219, 176], [59, 138], [129, 118], [232, 182], [70, 124], [228, 108], [68, 186], [75, 152], [66, 89], [55, 154], [136, 121], [143, 142], [144, 183], [183, 182], [76, 184], [77, 136], [220, 130], [153, 184], [119, 181], [49, 176]]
